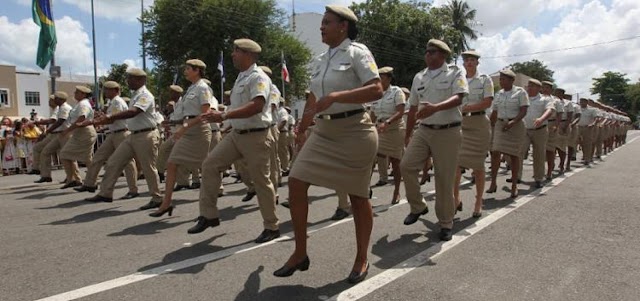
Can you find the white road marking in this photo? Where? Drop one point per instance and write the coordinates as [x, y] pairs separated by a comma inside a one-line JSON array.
[[421, 259]]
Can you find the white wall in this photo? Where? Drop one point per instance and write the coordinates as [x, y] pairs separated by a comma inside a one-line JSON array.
[[36, 83], [308, 32]]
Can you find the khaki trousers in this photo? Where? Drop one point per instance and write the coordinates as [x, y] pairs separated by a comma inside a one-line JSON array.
[[255, 148], [343, 201], [537, 138], [383, 168], [598, 140], [241, 168], [283, 151], [101, 156], [586, 137], [56, 143], [143, 147], [215, 139], [276, 175], [38, 148], [443, 145]]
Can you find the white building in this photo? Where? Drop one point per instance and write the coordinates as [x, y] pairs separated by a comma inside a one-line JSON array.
[[33, 94]]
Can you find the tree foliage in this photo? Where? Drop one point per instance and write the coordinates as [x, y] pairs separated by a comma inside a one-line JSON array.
[[118, 74], [397, 33], [462, 19], [535, 69], [633, 97], [177, 30], [612, 87]]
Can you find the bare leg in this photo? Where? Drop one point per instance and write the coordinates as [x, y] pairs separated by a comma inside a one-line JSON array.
[[363, 219], [397, 178], [299, 208], [172, 169], [515, 168], [456, 187], [495, 165], [479, 175]]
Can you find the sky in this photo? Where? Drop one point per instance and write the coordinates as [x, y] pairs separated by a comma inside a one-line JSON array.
[[509, 32]]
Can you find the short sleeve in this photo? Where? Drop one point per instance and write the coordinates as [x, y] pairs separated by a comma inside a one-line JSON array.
[[204, 95], [494, 105], [63, 113], [259, 86], [524, 99], [549, 105], [364, 65], [488, 88], [460, 85], [399, 98], [413, 97], [143, 103], [85, 111]]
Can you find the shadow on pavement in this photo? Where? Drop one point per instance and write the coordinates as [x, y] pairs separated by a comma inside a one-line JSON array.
[[91, 216]]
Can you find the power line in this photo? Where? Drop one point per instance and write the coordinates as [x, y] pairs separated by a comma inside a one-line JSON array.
[[563, 49]]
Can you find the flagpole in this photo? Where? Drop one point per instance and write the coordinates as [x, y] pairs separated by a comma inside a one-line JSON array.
[[282, 77], [221, 78], [95, 67]]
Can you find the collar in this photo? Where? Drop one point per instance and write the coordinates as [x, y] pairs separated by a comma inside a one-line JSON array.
[[443, 68], [345, 44], [475, 76], [249, 71], [136, 92]]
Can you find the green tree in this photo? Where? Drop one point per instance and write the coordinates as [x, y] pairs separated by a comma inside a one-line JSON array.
[[633, 96], [118, 74], [177, 30], [462, 19], [612, 87], [534, 68], [397, 33]]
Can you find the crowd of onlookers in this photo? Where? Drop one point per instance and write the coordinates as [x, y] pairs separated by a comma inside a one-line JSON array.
[[17, 138]]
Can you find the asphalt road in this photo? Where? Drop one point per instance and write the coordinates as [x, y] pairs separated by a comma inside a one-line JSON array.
[[576, 239]]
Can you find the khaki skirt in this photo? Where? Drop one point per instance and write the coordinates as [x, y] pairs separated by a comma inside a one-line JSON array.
[[192, 148], [339, 155], [79, 147], [391, 141], [552, 141], [509, 142], [476, 142], [562, 141], [573, 136]]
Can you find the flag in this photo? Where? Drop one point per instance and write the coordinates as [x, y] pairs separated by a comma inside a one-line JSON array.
[[221, 67], [285, 71], [43, 17]]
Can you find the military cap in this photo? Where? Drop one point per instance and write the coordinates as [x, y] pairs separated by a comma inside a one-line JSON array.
[[535, 82], [307, 91], [288, 109], [508, 72], [227, 93], [471, 52], [61, 95], [171, 103], [111, 85], [266, 70], [385, 70], [84, 89], [136, 72], [126, 99], [197, 63], [342, 11], [176, 88], [52, 97], [206, 81], [548, 83], [405, 90], [247, 45], [584, 99], [440, 45]]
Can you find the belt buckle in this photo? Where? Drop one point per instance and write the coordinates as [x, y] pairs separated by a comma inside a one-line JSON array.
[[326, 117]]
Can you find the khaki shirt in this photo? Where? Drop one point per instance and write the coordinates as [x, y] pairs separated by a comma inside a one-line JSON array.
[[436, 86], [537, 106], [387, 105], [346, 67], [576, 110], [54, 113], [250, 84], [274, 95], [197, 95], [480, 87], [558, 106], [283, 115], [117, 105], [82, 108], [143, 100], [587, 116], [63, 113], [567, 108], [178, 110], [508, 103]]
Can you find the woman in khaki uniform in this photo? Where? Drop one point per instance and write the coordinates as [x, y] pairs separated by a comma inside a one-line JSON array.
[[194, 137], [82, 135], [387, 112], [476, 129], [341, 151], [509, 108]]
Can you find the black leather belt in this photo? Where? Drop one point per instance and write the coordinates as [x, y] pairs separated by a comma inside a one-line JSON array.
[[467, 114], [551, 120], [340, 115], [285, 131], [118, 131], [441, 126], [506, 120], [538, 128], [189, 117], [143, 130], [242, 132]]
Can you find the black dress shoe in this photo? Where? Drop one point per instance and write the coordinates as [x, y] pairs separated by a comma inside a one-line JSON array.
[[160, 213], [141, 177], [519, 181], [44, 180], [413, 217], [181, 187], [195, 186], [445, 234], [130, 195], [459, 208], [285, 173], [161, 177], [152, 204], [85, 188], [539, 184], [370, 193], [71, 184], [249, 196], [380, 183], [548, 178], [221, 193], [340, 214], [203, 224], [285, 204], [357, 277], [34, 172], [286, 271], [99, 199], [267, 235], [63, 182]]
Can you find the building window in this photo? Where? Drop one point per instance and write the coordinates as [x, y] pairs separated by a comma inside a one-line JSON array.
[[32, 98], [4, 98]]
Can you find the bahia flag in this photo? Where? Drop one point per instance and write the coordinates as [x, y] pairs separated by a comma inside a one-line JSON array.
[[221, 67], [285, 71], [47, 43]]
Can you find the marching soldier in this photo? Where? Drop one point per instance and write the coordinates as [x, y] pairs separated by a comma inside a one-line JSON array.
[[57, 140], [586, 123], [44, 139], [554, 128]]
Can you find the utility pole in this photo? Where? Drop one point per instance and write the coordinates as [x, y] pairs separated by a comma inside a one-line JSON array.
[[95, 66], [144, 45], [293, 15]]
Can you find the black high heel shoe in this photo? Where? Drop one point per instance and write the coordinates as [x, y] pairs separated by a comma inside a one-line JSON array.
[[160, 213], [286, 271], [356, 277]]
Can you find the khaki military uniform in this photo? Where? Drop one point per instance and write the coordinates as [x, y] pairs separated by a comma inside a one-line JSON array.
[[39, 146], [438, 136], [283, 140], [587, 116], [276, 173], [536, 136], [508, 104], [476, 127], [56, 142], [552, 141], [251, 140], [564, 135]]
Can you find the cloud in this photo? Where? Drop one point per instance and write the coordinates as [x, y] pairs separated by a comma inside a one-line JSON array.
[[125, 10], [574, 69]]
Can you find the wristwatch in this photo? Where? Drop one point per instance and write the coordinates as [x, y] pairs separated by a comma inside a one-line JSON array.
[[388, 122]]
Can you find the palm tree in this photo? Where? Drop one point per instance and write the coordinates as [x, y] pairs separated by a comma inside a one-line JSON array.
[[463, 20]]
